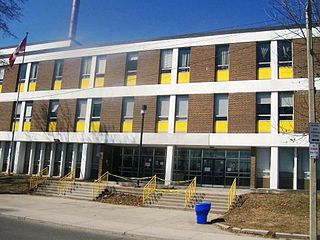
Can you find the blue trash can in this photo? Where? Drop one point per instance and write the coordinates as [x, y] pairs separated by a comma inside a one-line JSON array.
[[202, 210]]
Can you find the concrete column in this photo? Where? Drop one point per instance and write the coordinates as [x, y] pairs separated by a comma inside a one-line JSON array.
[[26, 83], [274, 60], [19, 157], [85, 161], [172, 114], [52, 156], [88, 115], [21, 120], [174, 71], [32, 157], [92, 71], [74, 156], [169, 165], [274, 168], [42, 155], [63, 159], [2, 151], [295, 169], [274, 113]]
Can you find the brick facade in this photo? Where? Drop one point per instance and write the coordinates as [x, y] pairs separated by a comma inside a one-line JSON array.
[[253, 168], [44, 80], [242, 113], [39, 116], [66, 115], [150, 115], [71, 73], [116, 69], [111, 114], [200, 113], [148, 67], [6, 110], [299, 58], [10, 79], [243, 64], [202, 65]]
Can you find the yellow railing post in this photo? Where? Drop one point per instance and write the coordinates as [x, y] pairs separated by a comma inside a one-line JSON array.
[[190, 192], [96, 187], [232, 193], [149, 188], [67, 180], [35, 181]]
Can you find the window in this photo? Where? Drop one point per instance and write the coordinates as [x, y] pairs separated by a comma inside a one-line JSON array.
[[58, 70], [182, 108], [28, 112], [22, 73], [222, 57], [96, 109], [101, 65], [263, 54], [285, 106], [127, 108], [263, 106], [166, 61], [184, 60], [53, 108], [221, 107], [17, 112], [163, 108], [132, 63], [81, 109], [285, 53], [1, 75], [34, 72], [86, 67]]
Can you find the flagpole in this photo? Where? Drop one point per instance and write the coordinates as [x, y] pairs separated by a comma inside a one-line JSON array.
[[12, 145]]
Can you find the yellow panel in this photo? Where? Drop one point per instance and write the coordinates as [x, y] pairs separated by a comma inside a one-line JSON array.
[[95, 126], [80, 126], [285, 72], [32, 86], [15, 125], [21, 87], [127, 126], [0, 88], [184, 77], [221, 126], [222, 75], [264, 73], [162, 126], [165, 78], [99, 82], [52, 126], [131, 80], [84, 83], [181, 126], [264, 126], [286, 126], [57, 85], [26, 126]]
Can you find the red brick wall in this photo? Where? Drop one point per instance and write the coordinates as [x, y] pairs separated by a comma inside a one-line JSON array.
[[116, 67], [71, 73], [66, 115], [150, 115], [148, 67], [111, 110], [299, 58], [6, 110], [243, 64], [202, 65], [39, 116], [200, 113], [44, 80], [242, 113], [10, 79]]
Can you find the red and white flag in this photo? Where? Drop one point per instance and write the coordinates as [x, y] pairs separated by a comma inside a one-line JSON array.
[[21, 47]]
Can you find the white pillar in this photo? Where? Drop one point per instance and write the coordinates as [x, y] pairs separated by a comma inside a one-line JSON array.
[[169, 165], [92, 71], [88, 115], [174, 71], [274, 60], [85, 161], [274, 168], [52, 157], [19, 157], [295, 169], [42, 155], [74, 157], [2, 151], [63, 159], [26, 83], [172, 114], [274, 113], [32, 157]]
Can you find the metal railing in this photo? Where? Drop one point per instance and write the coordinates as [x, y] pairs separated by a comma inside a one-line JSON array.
[[232, 193], [99, 185], [42, 176], [65, 182], [149, 189], [190, 192]]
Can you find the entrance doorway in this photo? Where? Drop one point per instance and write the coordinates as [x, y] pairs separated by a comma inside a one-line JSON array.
[[213, 172]]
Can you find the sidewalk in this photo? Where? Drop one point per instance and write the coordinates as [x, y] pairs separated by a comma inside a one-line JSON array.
[[136, 221]]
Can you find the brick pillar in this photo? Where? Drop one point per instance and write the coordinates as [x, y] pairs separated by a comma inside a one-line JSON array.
[[6, 110], [39, 116], [148, 67], [44, 80], [150, 115], [116, 70], [66, 115], [243, 64], [71, 73], [111, 110], [200, 113], [10, 79], [301, 112], [253, 168], [299, 57], [202, 65]]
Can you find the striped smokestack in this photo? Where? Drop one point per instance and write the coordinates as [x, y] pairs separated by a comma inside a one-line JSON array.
[[74, 19]]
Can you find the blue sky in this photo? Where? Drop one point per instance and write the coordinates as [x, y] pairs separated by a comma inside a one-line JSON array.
[[103, 21]]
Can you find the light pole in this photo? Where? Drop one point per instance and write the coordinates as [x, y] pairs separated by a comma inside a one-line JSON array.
[[143, 111]]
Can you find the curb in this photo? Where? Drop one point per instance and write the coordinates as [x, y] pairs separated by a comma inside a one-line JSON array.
[[264, 233]]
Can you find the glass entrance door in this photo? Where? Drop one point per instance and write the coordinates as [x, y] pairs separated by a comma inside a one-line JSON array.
[[219, 172], [207, 171]]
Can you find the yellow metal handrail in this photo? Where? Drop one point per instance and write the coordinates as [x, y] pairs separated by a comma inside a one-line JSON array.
[[232, 193], [149, 188], [98, 184], [65, 182], [35, 181], [190, 192]]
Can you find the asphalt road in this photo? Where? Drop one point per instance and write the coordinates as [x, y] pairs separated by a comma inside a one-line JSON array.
[[21, 229]]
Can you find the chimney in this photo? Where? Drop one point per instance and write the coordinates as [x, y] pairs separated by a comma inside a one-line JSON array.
[[74, 19]]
